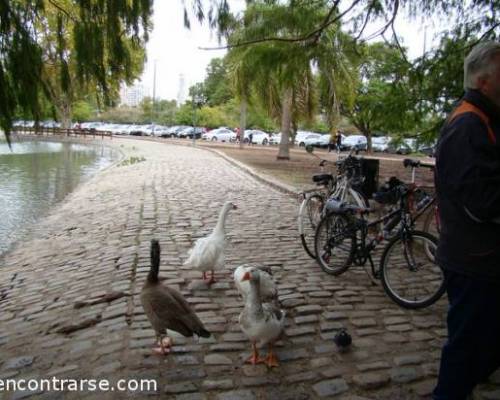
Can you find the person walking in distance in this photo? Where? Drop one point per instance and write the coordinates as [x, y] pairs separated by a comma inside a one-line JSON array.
[[338, 141], [467, 182]]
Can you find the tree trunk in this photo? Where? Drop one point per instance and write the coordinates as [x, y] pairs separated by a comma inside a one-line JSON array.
[[286, 119], [368, 142], [293, 128], [64, 112], [243, 120]]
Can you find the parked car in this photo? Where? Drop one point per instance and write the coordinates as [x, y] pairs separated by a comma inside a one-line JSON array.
[[302, 135], [50, 124], [403, 146], [275, 139], [321, 141], [190, 131], [356, 142], [381, 143], [429, 150], [258, 137], [219, 134]]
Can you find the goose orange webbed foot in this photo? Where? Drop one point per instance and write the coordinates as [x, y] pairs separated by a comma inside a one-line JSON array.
[[271, 360], [254, 359]]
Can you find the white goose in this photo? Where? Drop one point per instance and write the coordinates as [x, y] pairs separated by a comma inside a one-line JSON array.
[[262, 323], [207, 253], [268, 289]]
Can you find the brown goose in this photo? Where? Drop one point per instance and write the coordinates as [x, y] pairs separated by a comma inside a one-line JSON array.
[[166, 308]]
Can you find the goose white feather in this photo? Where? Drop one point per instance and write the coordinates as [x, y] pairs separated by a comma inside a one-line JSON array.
[[207, 254], [268, 289], [261, 323]]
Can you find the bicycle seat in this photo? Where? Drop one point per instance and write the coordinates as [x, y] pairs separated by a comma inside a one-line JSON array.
[[322, 178], [408, 162]]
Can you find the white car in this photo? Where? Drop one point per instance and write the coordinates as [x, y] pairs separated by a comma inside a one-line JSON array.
[[220, 135], [321, 141], [381, 143], [302, 135], [275, 138], [358, 142], [258, 137]]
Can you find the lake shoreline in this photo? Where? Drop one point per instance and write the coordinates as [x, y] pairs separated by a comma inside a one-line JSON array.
[[27, 228]]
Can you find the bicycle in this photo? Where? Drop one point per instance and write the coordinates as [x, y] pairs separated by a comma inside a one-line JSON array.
[[425, 203], [410, 278], [313, 200]]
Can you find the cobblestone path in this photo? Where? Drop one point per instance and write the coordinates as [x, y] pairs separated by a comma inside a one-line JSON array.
[[97, 243]]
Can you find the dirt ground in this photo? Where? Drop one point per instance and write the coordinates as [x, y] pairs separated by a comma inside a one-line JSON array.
[[302, 165]]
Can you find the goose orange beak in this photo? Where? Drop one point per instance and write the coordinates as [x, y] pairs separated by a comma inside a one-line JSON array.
[[246, 277]]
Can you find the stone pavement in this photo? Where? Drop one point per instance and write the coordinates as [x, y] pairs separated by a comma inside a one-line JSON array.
[[52, 322]]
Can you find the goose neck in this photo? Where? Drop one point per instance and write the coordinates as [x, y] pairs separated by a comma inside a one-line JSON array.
[[253, 300], [221, 222]]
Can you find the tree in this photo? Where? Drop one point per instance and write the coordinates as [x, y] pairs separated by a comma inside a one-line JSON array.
[[438, 81], [216, 87], [280, 74], [384, 98], [99, 33], [470, 22]]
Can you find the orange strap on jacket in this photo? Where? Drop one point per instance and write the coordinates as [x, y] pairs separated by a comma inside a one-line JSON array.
[[465, 107]]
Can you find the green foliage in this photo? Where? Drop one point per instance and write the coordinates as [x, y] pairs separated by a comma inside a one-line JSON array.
[[216, 89], [82, 111], [384, 96], [131, 160], [185, 114], [96, 39], [438, 78]]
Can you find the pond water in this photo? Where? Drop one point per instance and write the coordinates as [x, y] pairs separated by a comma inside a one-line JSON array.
[[35, 175]]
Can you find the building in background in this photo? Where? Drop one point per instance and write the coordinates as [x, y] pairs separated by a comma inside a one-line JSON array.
[[182, 93], [133, 95]]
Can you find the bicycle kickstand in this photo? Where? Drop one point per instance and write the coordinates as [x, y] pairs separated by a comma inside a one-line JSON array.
[[375, 275]]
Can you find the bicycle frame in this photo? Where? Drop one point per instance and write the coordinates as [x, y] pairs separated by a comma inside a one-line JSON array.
[[362, 250]]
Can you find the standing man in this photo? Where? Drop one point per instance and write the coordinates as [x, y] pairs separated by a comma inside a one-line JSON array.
[[338, 140], [468, 191]]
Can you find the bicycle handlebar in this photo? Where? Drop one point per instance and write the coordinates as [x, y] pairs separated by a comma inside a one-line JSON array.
[[408, 162]]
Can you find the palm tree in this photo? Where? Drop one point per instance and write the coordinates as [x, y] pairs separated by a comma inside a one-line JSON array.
[[280, 74]]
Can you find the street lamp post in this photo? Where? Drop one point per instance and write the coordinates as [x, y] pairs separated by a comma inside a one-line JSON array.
[[154, 100], [197, 101]]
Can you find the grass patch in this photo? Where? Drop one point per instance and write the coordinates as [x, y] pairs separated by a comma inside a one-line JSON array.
[[132, 160]]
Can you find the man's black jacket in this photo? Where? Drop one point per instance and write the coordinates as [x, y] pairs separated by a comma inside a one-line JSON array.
[[468, 192]]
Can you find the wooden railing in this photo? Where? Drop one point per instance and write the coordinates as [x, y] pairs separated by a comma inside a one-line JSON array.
[[41, 131]]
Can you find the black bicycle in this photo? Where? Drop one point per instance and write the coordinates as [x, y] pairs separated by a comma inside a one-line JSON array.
[[345, 186], [409, 273]]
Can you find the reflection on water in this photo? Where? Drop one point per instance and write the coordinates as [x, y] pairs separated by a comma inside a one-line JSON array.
[[36, 175]]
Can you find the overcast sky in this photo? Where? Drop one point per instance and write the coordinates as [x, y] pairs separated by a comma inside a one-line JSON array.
[[176, 52]]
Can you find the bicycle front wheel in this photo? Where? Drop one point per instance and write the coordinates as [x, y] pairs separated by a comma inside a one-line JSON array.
[[410, 275], [309, 217], [334, 243]]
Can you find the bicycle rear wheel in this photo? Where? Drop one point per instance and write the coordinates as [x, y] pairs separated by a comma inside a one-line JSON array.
[[334, 243], [309, 217], [410, 275]]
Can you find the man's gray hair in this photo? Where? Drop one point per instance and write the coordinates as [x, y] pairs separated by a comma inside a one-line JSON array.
[[479, 63]]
